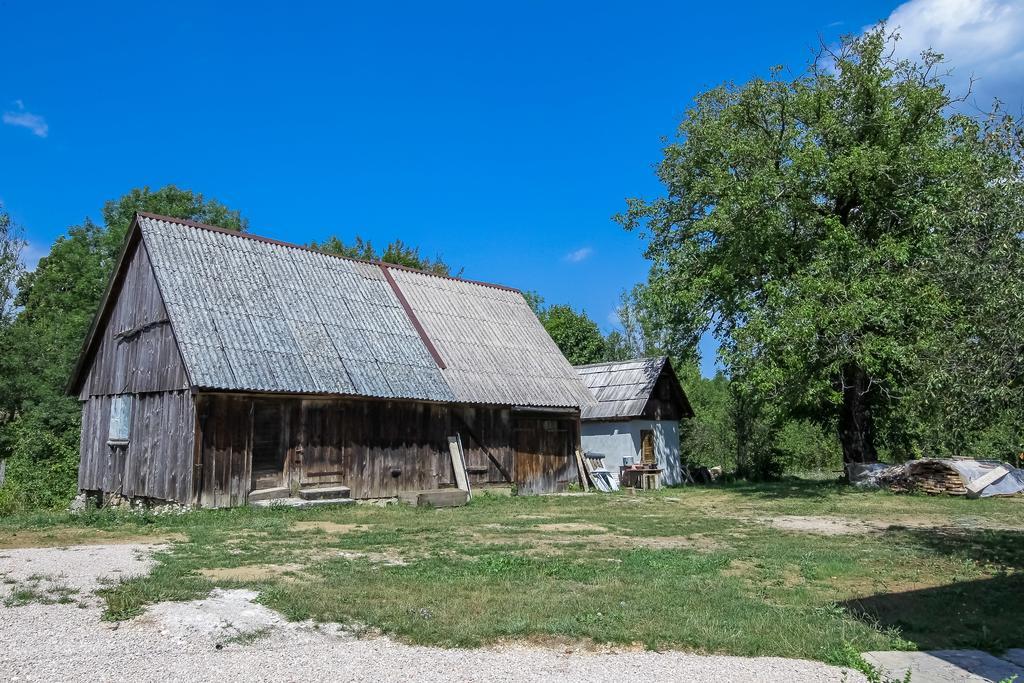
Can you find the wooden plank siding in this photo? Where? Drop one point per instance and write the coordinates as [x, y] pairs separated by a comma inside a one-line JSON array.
[[155, 463], [377, 448], [137, 355], [545, 453], [136, 351]]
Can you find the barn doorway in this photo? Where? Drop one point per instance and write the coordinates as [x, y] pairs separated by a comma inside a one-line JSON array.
[[269, 446], [544, 454]]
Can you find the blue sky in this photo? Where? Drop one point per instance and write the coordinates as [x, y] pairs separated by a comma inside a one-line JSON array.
[[502, 136]]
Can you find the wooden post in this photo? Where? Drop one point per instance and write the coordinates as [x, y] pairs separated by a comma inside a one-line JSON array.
[[583, 470], [459, 464]]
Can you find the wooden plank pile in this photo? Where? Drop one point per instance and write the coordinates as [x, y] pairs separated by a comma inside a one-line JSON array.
[[924, 476]]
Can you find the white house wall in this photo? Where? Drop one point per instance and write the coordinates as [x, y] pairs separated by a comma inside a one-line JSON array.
[[621, 439]]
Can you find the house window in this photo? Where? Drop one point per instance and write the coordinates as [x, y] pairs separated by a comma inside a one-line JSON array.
[[647, 447], [120, 419]]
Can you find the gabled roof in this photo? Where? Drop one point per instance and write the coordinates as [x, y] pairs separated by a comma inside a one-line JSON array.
[[253, 314], [623, 389]]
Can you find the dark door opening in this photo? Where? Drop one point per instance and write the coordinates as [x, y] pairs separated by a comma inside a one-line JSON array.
[[268, 445]]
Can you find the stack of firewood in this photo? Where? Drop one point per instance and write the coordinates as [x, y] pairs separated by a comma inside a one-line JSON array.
[[925, 476]]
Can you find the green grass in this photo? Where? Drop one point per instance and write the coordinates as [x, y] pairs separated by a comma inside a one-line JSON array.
[[695, 568]]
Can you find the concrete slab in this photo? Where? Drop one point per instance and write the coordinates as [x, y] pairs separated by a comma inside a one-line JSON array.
[[301, 503], [321, 492], [944, 666], [269, 494]]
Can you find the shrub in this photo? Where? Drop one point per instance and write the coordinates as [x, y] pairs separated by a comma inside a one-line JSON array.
[[42, 467]]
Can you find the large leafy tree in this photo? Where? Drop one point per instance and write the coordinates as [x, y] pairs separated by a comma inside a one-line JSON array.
[[802, 225], [56, 303]]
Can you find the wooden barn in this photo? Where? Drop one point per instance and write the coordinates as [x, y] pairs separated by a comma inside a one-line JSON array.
[[222, 364]]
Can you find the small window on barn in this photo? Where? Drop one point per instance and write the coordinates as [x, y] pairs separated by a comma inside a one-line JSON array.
[[120, 419]]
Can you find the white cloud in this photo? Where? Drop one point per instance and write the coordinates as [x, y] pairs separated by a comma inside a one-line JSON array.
[[26, 119], [983, 39], [578, 255]]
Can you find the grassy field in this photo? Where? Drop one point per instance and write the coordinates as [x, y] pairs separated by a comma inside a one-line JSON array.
[[795, 569]]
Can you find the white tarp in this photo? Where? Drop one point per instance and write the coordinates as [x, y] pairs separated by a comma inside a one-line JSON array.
[[872, 474], [972, 470]]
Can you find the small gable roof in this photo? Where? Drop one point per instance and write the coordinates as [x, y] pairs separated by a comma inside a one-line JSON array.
[[622, 389], [253, 314]]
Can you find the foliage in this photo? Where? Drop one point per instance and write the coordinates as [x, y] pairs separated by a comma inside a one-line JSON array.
[[708, 438], [578, 337], [57, 301], [397, 252], [42, 467], [807, 223], [11, 246]]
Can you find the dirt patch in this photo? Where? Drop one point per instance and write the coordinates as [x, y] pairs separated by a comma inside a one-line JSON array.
[[386, 559], [826, 526], [250, 572], [329, 527], [571, 527], [62, 538], [844, 526], [698, 542], [740, 568]]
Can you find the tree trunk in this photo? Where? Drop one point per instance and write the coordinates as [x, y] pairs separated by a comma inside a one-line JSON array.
[[856, 423]]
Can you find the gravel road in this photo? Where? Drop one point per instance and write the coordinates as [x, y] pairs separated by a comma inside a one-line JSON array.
[[227, 636]]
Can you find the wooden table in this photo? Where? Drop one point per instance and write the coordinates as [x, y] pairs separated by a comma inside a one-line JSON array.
[[646, 478]]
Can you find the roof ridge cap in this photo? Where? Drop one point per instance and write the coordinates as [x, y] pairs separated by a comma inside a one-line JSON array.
[[270, 240]]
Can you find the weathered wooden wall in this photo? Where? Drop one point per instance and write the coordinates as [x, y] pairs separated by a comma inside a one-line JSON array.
[[381, 448], [136, 352], [224, 472], [157, 460], [545, 453], [665, 402], [137, 356]]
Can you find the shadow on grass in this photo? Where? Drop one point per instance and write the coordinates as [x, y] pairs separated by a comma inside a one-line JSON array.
[[789, 488], [1001, 549], [983, 614]]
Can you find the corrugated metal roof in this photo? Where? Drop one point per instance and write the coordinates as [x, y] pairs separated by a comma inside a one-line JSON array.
[[258, 315], [495, 349], [622, 388]]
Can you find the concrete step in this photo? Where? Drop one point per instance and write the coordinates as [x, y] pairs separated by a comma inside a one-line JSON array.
[[302, 503], [269, 494], [322, 492]]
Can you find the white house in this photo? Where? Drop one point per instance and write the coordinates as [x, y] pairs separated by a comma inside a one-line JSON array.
[[636, 417]]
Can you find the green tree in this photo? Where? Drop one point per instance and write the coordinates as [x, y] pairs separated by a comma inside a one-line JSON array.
[[11, 246], [397, 252], [578, 337], [802, 223], [56, 303]]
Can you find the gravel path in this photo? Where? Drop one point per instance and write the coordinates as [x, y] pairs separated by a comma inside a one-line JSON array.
[[227, 636]]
